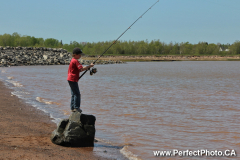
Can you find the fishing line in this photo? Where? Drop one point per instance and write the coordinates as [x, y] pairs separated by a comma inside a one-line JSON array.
[[120, 36]]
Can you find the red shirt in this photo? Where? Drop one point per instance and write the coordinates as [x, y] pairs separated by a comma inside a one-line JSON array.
[[73, 70]]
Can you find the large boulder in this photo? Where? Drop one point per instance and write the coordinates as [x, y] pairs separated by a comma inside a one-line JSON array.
[[77, 131]]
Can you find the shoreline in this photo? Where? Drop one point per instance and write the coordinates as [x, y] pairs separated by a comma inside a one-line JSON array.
[[62, 57], [166, 58], [26, 133]]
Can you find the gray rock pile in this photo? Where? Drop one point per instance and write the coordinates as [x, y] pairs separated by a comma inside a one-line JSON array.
[[19, 56], [77, 131]]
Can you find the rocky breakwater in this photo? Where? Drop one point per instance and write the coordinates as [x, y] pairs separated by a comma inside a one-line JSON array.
[[19, 56]]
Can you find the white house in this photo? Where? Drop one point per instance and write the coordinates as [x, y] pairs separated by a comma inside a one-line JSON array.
[[223, 49]]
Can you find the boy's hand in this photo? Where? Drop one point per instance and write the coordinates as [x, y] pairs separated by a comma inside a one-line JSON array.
[[91, 65]]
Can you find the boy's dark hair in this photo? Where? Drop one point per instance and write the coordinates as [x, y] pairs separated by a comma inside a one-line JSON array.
[[77, 51]]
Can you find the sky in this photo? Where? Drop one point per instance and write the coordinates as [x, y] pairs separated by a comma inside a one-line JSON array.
[[212, 21]]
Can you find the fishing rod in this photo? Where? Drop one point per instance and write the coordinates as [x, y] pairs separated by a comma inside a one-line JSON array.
[[119, 37]]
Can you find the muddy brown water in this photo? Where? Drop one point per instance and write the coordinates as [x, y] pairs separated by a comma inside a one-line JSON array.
[[145, 106]]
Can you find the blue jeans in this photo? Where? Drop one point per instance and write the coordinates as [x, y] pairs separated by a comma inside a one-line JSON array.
[[76, 96]]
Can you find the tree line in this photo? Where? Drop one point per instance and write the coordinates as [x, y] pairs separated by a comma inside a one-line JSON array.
[[124, 48]]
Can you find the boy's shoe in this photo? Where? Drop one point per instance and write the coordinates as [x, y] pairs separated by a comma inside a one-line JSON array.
[[77, 110]]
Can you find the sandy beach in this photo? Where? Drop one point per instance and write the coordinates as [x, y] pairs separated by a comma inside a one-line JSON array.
[[25, 133]]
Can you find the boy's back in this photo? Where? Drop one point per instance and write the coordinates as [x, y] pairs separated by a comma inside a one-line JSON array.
[[73, 70]]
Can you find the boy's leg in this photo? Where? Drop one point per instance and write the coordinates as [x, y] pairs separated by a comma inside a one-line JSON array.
[[76, 96], [72, 100]]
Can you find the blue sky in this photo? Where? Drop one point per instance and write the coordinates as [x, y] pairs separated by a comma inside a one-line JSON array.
[[212, 21]]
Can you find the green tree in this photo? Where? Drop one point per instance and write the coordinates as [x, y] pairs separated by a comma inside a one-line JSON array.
[[201, 48], [6, 40], [186, 48], [175, 49], [212, 49], [235, 48], [51, 42]]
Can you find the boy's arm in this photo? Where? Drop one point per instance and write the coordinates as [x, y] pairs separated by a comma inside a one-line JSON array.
[[86, 67]]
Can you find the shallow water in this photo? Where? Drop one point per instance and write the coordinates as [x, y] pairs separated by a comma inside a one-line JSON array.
[[145, 106]]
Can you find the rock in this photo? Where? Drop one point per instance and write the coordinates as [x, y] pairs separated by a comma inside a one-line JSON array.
[[13, 64], [55, 60], [54, 49], [77, 131], [61, 62], [5, 56], [63, 55], [3, 61], [45, 57], [67, 62], [60, 50], [18, 48], [9, 53]]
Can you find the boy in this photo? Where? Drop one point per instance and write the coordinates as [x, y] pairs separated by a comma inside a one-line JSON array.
[[73, 76]]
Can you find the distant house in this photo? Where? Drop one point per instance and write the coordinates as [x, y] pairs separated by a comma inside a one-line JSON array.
[[223, 49]]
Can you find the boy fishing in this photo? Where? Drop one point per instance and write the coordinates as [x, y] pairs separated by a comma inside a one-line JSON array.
[[73, 76]]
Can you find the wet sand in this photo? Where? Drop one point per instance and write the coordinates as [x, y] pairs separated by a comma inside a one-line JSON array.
[[25, 133]]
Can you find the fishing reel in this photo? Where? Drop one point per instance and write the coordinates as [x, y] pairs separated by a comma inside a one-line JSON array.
[[93, 71]]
